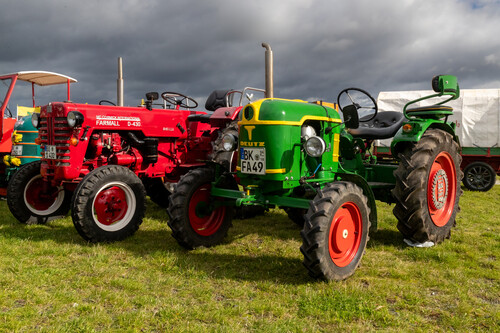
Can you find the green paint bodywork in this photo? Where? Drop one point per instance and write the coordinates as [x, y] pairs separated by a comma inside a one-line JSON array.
[[293, 177]]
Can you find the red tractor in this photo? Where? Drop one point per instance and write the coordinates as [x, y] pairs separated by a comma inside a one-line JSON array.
[[100, 161]]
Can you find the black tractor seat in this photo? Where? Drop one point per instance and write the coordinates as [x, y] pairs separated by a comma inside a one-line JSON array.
[[431, 111], [383, 126], [202, 118]]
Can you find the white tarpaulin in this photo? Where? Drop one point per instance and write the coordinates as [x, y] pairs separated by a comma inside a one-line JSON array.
[[476, 113]]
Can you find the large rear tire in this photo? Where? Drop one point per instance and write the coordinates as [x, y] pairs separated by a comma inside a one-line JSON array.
[[193, 222], [109, 204], [479, 176], [157, 191], [31, 199], [335, 231], [427, 190]]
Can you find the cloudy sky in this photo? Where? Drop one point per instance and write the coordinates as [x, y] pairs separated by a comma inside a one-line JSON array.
[[196, 46]]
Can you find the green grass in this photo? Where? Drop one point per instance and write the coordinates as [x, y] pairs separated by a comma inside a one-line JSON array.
[[51, 280]]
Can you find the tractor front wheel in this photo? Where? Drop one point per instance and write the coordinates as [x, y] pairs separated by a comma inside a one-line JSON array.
[[108, 204], [29, 195], [427, 188], [335, 231], [194, 221]]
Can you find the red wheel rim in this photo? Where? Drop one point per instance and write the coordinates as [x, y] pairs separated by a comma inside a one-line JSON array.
[[345, 235], [205, 222], [441, 189], [41, 198], [110, 205]]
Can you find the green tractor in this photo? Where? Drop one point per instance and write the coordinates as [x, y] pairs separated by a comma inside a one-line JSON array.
[[316, 164]]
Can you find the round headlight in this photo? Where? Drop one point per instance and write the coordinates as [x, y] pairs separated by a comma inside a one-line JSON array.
[[248, 113], [229, 142], [74, 118], [35, 120], [315, 146]]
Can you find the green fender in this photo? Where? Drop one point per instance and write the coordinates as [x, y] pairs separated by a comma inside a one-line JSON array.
[[402, 139]]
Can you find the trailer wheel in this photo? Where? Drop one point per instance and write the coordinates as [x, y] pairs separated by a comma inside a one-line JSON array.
[[427, 190], [192, 221], [108, 204], [335, 231], [479, 176], [27, 198]]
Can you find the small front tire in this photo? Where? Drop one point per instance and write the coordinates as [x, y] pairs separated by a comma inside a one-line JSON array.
[[28, 195], [335, 231], [109, 204]]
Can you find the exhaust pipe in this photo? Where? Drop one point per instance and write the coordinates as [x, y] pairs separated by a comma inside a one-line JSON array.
[[119, 84], [269, 71]]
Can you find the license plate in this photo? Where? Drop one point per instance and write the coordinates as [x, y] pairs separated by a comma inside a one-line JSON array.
[[17, 150], [253, 160], [50, 152]]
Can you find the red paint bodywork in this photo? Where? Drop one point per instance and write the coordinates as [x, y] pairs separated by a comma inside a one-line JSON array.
[[103, 138]]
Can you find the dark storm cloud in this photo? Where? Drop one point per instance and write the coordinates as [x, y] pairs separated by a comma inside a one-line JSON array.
[[193, 47]]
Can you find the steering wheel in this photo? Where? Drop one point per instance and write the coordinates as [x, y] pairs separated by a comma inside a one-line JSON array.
[[101, 102], [179, 100], [371, 104]]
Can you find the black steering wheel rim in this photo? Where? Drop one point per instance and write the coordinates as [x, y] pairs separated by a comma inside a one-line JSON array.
[[102, 101], [178, 99], [358, 107]]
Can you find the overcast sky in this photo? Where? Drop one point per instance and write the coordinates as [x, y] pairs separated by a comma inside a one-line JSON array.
[[196, 46]]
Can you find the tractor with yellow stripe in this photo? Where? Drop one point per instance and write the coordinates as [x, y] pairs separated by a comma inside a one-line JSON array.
[[314, 161]]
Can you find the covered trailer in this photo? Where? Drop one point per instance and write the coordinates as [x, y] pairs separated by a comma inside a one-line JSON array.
[[477, 117]]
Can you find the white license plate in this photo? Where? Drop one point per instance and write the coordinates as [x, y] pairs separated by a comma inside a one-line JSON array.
[[253, 160], [50, 152], [17, 150]]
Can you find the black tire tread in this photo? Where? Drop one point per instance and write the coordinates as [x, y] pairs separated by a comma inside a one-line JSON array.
[[317, 223], [83, 194], [410, 191]]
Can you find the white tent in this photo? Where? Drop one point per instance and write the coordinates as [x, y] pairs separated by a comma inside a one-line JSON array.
[[476, 113]]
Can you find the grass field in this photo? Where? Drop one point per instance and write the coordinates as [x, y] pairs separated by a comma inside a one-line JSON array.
[[51, 280]]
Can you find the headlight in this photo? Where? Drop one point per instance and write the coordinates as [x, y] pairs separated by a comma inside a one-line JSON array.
[[315, 146], [74, 118], [35, 120], [229, 142]]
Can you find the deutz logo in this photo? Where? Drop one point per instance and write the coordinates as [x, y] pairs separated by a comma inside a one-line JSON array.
[[249, 130], [251, 144]]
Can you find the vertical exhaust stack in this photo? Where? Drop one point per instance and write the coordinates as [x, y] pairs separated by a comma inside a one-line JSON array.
[[119, 83], [269, 71]]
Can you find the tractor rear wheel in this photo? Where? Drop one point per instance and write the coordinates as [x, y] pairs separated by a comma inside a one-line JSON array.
[[335, 231], [28, 195], [193, 221], [427, 190], [108, 204], [157, 191], [479, 176]]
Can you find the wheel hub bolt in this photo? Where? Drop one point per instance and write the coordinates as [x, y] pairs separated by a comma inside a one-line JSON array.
[[345, 233]]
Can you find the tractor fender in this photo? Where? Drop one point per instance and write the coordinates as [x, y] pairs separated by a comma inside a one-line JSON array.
[[361, 182], [402, 140]]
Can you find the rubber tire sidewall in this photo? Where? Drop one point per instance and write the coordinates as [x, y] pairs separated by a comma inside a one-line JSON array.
[[15, 194], [410, 192], [178, 209], [490, 170], [84, 195], [316, 232]]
